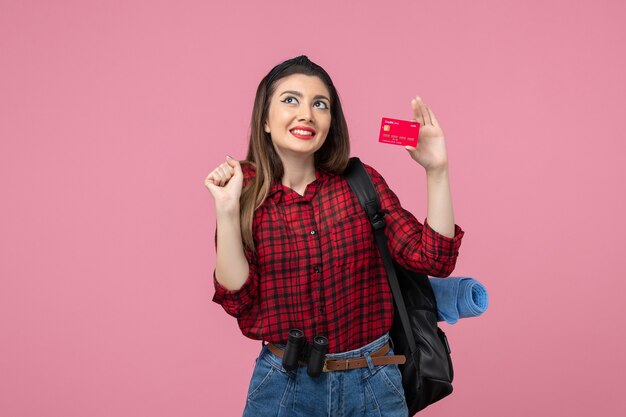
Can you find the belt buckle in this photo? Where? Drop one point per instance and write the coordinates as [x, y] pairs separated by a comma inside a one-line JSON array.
[[345, 365]]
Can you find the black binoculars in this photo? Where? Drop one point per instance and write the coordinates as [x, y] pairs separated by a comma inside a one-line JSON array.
[[297, 347]]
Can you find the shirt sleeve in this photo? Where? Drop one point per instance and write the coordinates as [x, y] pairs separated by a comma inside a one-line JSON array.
[[236, 302], [413, 245]]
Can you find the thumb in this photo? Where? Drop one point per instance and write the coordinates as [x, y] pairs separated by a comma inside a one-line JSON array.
[[235, 164]]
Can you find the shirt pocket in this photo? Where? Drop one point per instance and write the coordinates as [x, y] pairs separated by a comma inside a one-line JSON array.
[[351, 240]]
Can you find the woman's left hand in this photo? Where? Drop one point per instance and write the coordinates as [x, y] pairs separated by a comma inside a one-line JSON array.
[[431, 150]]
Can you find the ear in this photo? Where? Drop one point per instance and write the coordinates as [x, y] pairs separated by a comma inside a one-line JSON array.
[[266, 128]]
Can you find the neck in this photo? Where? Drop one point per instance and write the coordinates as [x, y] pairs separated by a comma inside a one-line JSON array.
[[298, 173]]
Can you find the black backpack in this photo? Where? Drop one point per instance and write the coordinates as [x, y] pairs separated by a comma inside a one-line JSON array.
[[427, 373]]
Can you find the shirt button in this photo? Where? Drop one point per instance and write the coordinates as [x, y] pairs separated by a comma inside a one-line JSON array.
[[321, 309], [312, 232], [316, 269]]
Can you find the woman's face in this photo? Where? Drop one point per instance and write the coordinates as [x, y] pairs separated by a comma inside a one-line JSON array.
[[299, 101]]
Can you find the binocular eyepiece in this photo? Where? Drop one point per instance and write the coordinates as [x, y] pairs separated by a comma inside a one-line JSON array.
[[316, 356], [293, 349], [297, 347]]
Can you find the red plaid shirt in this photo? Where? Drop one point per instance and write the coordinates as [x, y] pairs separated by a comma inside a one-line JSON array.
[[318, 267]]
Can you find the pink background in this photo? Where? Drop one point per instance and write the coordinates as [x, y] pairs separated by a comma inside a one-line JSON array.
[[112, 114]]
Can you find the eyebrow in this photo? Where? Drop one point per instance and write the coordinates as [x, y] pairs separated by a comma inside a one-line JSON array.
[[299, 94]]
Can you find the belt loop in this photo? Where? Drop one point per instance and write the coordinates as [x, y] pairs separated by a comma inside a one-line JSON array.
[[391, 343], [368, 359]]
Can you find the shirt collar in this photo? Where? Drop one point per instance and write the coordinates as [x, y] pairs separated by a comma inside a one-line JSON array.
[[279, 192]]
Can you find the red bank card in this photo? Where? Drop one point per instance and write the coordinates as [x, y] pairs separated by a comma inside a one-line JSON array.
[[399, 132]]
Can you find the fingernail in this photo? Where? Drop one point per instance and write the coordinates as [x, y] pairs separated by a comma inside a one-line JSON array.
[[229, 157]]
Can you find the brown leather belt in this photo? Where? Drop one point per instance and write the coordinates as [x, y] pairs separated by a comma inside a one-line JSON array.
[[378, 358]]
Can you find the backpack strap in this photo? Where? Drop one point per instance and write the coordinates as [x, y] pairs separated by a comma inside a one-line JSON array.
[[361, 184]]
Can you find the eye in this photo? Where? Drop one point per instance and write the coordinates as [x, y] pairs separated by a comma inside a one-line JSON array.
[[292, 97]]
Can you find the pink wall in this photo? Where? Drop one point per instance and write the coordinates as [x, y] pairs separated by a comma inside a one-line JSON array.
[[112, 114]]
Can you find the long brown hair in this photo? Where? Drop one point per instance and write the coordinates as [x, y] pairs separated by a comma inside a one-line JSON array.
[[333, 156]]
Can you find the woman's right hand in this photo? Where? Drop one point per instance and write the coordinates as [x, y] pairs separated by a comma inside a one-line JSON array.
[[225, 183]]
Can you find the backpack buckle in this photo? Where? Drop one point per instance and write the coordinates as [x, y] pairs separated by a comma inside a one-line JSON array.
[[378, 221]]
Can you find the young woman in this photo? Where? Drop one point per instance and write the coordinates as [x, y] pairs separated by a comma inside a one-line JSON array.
[[295, 250]]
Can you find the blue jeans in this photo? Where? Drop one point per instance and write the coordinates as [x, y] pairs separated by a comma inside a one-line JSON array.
[[368, 391]]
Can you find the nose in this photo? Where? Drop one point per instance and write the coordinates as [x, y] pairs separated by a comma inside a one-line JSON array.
[[305, 113]]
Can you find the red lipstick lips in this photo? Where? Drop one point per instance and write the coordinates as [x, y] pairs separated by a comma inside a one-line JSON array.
[[305, 136]]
